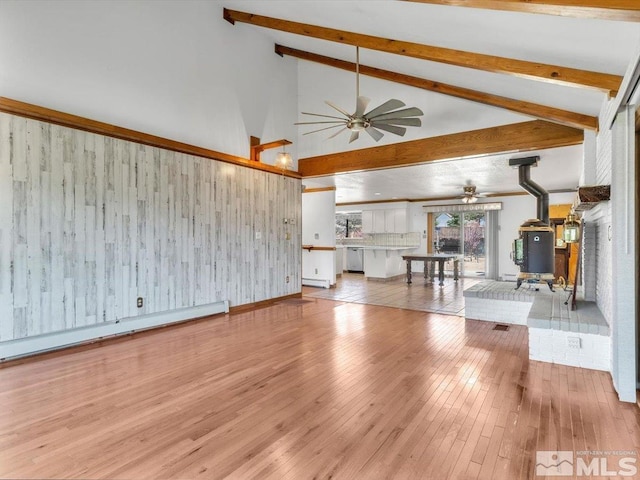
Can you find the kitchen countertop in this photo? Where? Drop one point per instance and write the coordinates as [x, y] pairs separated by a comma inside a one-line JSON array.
[[378, 247]]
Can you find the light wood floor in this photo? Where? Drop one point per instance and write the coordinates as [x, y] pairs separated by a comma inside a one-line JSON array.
[[420, 295], [305, 389]]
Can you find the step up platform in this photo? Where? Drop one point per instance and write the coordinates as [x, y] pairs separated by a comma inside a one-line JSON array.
[[557, 334]]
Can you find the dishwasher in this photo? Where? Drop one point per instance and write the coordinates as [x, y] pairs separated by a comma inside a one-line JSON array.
[[355, 260]]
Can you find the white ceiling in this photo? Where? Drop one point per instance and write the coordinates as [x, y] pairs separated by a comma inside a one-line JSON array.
[[558, 169], [590, 44]]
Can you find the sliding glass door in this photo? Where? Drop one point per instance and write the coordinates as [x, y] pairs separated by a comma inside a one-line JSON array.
[[462, 233]]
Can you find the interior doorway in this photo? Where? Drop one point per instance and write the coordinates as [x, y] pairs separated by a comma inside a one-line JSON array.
[[462, 233]]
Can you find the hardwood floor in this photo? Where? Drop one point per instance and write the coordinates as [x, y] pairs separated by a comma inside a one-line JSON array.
[[305, 389]]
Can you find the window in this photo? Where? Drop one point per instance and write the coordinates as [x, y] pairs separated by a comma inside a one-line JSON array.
[[349, 225]]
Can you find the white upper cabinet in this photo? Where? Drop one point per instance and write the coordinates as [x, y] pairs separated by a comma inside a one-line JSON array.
[[400, 220], [367, 221], [379, 221], [384, 221]]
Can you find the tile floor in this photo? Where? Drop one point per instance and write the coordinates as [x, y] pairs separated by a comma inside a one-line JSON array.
[[421, 295]]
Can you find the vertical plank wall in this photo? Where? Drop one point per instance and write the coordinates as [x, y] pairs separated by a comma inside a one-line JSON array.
[[89, 223]]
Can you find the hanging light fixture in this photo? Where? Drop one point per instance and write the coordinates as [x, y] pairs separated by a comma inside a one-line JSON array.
[[571, 229], [283, 159]]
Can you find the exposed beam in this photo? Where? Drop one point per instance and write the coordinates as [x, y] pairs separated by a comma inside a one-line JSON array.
[[517, 137], [536, 71], [563, 117], [623, 10]]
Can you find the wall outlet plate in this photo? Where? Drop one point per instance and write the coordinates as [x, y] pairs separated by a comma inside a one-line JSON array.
[[140, 302]]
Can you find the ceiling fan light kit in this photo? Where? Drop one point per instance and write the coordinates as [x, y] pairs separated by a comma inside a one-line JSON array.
[[469, 193], [390, 116]]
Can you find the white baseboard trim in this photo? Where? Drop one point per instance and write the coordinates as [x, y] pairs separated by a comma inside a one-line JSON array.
[[316, 282], [12, 349]]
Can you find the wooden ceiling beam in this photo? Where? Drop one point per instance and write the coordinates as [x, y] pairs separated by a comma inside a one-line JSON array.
[[517, 137], [520, 68], [621, 10], [563, 117]]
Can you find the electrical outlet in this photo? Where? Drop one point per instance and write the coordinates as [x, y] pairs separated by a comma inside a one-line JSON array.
[[140, 302], [316, 236], [287, 279], [316, 271], [287, 236], [258, 235], [574, 342], [286, 221]]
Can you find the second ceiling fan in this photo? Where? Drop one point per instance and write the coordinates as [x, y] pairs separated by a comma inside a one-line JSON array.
[[390, 116]]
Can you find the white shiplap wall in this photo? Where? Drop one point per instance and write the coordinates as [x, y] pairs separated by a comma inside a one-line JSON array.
[[89, 223]]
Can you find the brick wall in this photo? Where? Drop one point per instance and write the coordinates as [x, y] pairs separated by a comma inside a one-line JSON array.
[[596, 266]]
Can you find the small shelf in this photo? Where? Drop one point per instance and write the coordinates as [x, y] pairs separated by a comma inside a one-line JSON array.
[[589, 197], [315, 247]]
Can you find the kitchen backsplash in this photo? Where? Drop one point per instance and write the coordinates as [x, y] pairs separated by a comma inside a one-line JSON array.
[[411, 239]]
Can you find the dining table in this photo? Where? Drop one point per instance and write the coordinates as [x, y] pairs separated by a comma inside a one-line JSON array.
[[429, 261]]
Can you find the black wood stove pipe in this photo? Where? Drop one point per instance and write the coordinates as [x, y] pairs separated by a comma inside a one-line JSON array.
[[524, 178]]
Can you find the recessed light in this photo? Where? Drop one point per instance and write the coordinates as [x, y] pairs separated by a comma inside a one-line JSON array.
[[394, 198], [377, 193]]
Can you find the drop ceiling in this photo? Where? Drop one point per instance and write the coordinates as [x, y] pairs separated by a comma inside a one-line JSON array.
[[558, 169]]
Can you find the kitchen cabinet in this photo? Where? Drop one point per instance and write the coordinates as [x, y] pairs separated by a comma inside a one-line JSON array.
[[400, 221], [367, 221], [384, 221], [379, 221]]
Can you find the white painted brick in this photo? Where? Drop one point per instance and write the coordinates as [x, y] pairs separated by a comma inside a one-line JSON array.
[[551, 346]]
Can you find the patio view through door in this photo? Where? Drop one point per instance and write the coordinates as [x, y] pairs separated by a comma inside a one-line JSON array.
[[462, 233]]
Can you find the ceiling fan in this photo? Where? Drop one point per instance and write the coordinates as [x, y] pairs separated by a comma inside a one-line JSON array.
[[470, 195], [388, 116]]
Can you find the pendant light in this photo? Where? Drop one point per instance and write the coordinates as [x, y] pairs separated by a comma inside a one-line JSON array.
[[571, 229]]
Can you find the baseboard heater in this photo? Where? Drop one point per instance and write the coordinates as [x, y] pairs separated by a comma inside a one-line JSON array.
[[21, 347], [316, 282]]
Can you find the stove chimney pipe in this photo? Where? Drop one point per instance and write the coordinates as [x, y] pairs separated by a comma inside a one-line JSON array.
[[524, 178]]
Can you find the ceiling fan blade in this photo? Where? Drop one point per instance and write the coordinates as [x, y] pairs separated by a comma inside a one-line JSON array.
[[320, 115], [375, 134], [410, 122], [337, 133], [406, 112], [337, 108], [361, 105], [354, 136], [387, 106], [317, 123], [321, 129], [392, 128]]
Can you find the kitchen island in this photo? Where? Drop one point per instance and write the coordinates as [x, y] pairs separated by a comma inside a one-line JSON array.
[[382, 262]]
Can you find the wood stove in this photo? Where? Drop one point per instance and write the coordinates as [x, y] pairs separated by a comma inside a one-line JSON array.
[[534, 250]]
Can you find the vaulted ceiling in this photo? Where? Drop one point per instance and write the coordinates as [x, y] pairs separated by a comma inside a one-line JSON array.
[[481, 67]]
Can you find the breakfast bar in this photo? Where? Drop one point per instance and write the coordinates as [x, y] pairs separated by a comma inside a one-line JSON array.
[[429, 261]]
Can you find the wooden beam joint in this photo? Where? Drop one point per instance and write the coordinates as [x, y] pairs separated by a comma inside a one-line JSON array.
[[256, 148]]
